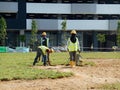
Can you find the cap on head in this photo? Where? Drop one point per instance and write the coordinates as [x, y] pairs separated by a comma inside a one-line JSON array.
[[73, 32], [44, 33], [50, 50]]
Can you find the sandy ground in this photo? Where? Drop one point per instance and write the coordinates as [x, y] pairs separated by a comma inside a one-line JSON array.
[[85, 78]]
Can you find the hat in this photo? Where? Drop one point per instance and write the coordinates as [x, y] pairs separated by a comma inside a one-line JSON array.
[[44, 33], [73, 32], [51, 50]]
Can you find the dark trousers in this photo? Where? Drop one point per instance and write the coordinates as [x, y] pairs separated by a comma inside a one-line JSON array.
[[72, 55], [38, 55]]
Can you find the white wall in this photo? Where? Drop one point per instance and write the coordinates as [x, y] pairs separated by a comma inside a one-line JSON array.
[[87, 24], [83, 8], [48, 8], [58, 8], [108, 9], [44, 24], [11, 7], [49, 24]]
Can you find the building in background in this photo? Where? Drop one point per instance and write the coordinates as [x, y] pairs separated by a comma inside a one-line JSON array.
[[87, 17]]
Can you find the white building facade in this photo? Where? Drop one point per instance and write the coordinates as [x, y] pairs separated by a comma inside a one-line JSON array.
[[87, 17]]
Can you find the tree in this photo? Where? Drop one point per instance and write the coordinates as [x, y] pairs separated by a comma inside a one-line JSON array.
[[118, 34], [64, 23], [22, 39], [101, 38], [33, 34], [3, 33]]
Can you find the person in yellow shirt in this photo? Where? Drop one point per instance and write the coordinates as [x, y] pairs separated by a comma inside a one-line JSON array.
[[44, 41], [44, 51], [73, 46]]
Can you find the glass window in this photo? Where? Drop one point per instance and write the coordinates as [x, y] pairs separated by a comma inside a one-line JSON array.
[[9, 0], [8, 15]]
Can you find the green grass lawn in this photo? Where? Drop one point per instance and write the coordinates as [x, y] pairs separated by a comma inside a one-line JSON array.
[[101, 55], [15, 66], [112, 86]]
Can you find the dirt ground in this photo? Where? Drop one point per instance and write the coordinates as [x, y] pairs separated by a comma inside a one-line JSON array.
[[85, 78]]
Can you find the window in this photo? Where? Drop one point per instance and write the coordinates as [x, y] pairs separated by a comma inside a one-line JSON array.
[[101, 1], [114, 17], [104, 17], [9, 0], [89, 16], [80, 1], [116, 1], [79, 16], [65, 1], [89, 1], [8, 15]]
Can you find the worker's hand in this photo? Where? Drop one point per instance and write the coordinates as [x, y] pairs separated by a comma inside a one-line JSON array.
[[79, 51]]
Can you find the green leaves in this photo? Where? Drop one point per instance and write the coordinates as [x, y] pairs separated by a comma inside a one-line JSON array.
[[33, 34], [3, 33], [101, 37], [118, 34]]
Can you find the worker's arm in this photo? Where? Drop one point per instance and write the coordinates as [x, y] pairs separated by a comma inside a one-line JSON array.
[[68, 43], [78, 46], [48, 56]]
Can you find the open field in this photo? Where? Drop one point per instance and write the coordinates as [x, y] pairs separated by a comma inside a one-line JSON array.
[[105, 70]]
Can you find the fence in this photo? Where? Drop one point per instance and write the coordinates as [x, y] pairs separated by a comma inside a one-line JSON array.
[[3, 49], [17, 49]]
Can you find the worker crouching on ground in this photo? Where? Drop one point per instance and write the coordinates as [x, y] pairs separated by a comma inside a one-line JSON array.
[[73, 47], [44, 51]]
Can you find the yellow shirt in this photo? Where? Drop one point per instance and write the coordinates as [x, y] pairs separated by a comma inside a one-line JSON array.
[[43, 48]]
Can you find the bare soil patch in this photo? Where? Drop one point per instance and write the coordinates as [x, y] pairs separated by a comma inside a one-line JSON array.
[[85, 78]]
